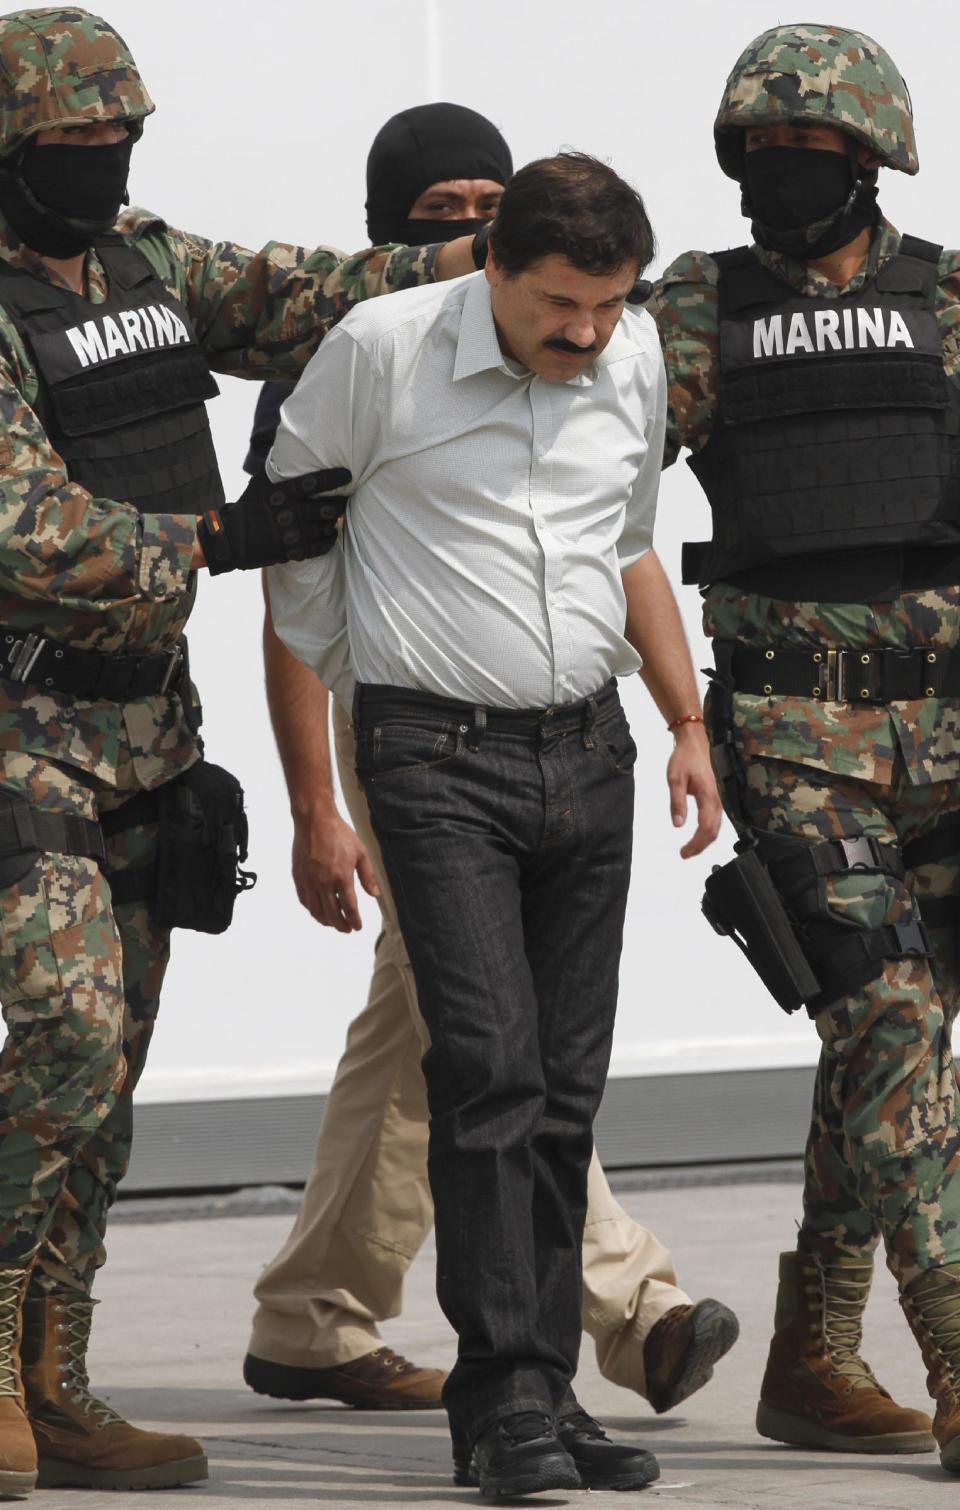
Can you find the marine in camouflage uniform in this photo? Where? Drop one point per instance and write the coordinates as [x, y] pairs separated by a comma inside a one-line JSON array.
[[826, 763], [79, 976]]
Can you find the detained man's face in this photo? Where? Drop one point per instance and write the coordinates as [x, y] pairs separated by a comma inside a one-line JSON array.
[[458, 199], [554, 318]]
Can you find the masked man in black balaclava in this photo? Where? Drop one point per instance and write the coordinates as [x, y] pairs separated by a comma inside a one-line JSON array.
[[434, 173]]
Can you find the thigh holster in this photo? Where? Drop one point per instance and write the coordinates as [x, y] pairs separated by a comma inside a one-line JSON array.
[[769, 899]]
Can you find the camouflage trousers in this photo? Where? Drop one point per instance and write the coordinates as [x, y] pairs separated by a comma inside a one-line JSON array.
[[79, 986], [883, 1156]]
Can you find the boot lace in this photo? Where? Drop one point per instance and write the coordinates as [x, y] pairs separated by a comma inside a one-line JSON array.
[[843, 1295], [74, 1332], [936, 1304], [11, 1296]]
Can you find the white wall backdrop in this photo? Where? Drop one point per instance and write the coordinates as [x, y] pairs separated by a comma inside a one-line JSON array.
[[264, 116]]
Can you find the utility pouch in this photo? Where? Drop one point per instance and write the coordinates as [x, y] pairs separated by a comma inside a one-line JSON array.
[[201, 847], [741, 902]]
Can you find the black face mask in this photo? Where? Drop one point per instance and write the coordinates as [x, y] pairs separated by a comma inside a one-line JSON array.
[[807, 202], [426, 145], [426, 232], [60, 199]]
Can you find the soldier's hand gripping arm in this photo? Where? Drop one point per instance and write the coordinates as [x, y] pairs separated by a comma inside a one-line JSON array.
[[326, 851], [290, 519]]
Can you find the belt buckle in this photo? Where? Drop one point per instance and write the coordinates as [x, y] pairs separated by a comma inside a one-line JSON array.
[[833, 676], [23, 657], [174, 661]]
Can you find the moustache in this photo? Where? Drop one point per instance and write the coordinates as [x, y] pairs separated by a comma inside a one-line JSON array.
[[559, 344]]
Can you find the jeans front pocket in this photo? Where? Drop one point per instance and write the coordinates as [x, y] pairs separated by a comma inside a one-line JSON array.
[[615, 743], [395, 749]]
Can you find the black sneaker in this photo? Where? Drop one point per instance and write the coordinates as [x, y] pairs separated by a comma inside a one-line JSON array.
[[520, 1454], [603, 1464]]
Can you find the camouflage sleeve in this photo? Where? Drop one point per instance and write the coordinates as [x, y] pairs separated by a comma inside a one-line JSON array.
[[684, 305], [263, 314], [948, 310], [59, 543]]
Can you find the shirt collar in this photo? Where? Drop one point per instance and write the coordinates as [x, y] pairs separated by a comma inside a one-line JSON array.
[[478, 346], [884, 244]]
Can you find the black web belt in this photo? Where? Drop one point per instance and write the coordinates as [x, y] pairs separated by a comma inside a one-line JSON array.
[[89, 675], [851, 676]]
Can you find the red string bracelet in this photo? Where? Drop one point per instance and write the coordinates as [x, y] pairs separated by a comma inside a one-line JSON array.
[[685, 718]]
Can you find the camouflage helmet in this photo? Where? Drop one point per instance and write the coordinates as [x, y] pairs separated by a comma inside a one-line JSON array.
[[61, 66], [822, 74]]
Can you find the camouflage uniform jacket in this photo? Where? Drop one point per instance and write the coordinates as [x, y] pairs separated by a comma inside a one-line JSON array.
[[95, 572], [841, 738]]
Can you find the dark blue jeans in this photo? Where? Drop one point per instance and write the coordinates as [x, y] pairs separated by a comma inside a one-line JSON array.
[[506, 838]]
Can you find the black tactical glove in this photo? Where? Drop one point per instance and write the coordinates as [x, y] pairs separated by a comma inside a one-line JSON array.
[[274, 521]]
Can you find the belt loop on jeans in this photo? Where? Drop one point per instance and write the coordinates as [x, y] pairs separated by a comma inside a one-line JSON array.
[[589, 719], [477, 729]]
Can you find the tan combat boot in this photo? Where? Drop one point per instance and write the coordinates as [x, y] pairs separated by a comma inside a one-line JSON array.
[[81, 1442], [817, 1391], [18, 1455], [931, 1304]]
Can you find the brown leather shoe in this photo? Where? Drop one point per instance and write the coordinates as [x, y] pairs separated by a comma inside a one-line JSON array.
[[680, 1351], [81, 1442], [18, 1455], [817, 1391], [931, 1304], [381, 1380]]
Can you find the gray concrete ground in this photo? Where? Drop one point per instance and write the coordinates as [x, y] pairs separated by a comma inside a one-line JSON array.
[[172, 1330]]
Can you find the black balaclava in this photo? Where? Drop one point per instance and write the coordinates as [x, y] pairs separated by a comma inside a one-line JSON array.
[[807, 202], [59, 199], [426, 145]]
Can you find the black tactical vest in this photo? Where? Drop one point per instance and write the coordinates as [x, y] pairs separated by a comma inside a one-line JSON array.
[[837, 429], [122, 384]]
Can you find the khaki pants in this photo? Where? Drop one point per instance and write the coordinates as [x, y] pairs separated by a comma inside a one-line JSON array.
[[366, 1207]]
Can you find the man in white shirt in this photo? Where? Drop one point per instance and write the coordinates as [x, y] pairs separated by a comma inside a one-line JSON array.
[[505, 435]]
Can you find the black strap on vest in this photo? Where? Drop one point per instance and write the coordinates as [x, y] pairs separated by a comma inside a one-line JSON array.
[[846, 675], [924, 251], [24, 828], [89, 675]]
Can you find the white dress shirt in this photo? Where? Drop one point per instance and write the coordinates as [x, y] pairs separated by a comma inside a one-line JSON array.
[[492, 511]]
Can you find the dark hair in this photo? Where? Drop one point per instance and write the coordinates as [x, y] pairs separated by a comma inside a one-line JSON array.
[[577, 206]]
